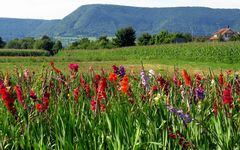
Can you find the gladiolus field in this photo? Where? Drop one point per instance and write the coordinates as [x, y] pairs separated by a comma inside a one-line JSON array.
[[121, 108]]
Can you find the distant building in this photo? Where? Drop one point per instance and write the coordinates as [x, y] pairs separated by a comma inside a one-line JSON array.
[[179, 40], [224, 33]]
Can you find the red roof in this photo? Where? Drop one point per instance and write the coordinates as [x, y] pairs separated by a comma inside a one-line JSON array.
[[223, 31]]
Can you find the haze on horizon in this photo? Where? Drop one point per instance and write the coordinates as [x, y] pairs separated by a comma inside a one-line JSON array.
[[58, 9]]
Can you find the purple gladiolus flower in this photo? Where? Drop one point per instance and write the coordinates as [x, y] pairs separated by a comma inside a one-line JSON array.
[[185, 117], [122, 71], [172, 109], [145, 80], [200, 93]]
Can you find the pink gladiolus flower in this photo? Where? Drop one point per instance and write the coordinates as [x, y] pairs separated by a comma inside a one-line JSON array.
[[76, 94], [26, 74]]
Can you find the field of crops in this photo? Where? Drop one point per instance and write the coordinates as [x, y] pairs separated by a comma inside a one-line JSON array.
[[23, 52], [119, 109], [228, 52]]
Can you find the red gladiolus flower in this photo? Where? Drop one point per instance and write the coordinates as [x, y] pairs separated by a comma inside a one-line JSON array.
[[82, 81], [112, 77], [115, 69], [143, 98], [102, 107], [181, 141], [227, 97], [154, 88], [39, 107], [238, 87], [93, 104], [179, 83], [215, 108], [19, 93], [102, 84], [33, 94], [8, 100], [73, 67], [229, 72], [45, 102], [172, 135], [221, 79], [198, 78], [164, 84], [124, 84], [76, 94], [186, 145], [97, 77], [1, 84], [101, 94], [187, 78], [87, 89], [96, 80]]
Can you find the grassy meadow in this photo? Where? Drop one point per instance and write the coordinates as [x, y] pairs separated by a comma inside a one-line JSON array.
[[193, 56]]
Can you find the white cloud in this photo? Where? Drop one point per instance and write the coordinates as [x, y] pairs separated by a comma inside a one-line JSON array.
[[53, 9]]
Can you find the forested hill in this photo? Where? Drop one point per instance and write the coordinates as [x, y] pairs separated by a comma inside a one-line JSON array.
[[97, 20], [11, 28]]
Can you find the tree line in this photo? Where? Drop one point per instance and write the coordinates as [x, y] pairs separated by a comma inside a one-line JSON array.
[[44, 43], [123, 37], [127, 37]]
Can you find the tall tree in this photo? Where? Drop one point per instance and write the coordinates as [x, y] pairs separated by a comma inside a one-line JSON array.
[[2, 43], [57, 46], [125, 37], [144, 39], [44, 43]]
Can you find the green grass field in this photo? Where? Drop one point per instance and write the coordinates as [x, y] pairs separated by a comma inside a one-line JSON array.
[[192, 56]]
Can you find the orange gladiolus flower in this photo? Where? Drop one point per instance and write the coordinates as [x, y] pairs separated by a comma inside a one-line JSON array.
[[186, 77], [124, 84], [112, 77], [54, 68]]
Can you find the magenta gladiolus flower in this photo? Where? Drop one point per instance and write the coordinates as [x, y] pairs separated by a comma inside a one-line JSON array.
[[1, 84], [73, 67]]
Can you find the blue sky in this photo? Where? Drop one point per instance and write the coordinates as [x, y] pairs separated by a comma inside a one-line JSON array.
[[57, 9]]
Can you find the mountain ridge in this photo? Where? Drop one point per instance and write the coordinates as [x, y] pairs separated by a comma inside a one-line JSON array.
[[105, 19]]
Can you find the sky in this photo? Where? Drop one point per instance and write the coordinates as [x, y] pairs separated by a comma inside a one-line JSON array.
[[57, 9]]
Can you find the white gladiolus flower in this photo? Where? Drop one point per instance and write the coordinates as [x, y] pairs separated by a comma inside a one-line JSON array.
[[212, 82], [157, 98], [151, 73]]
